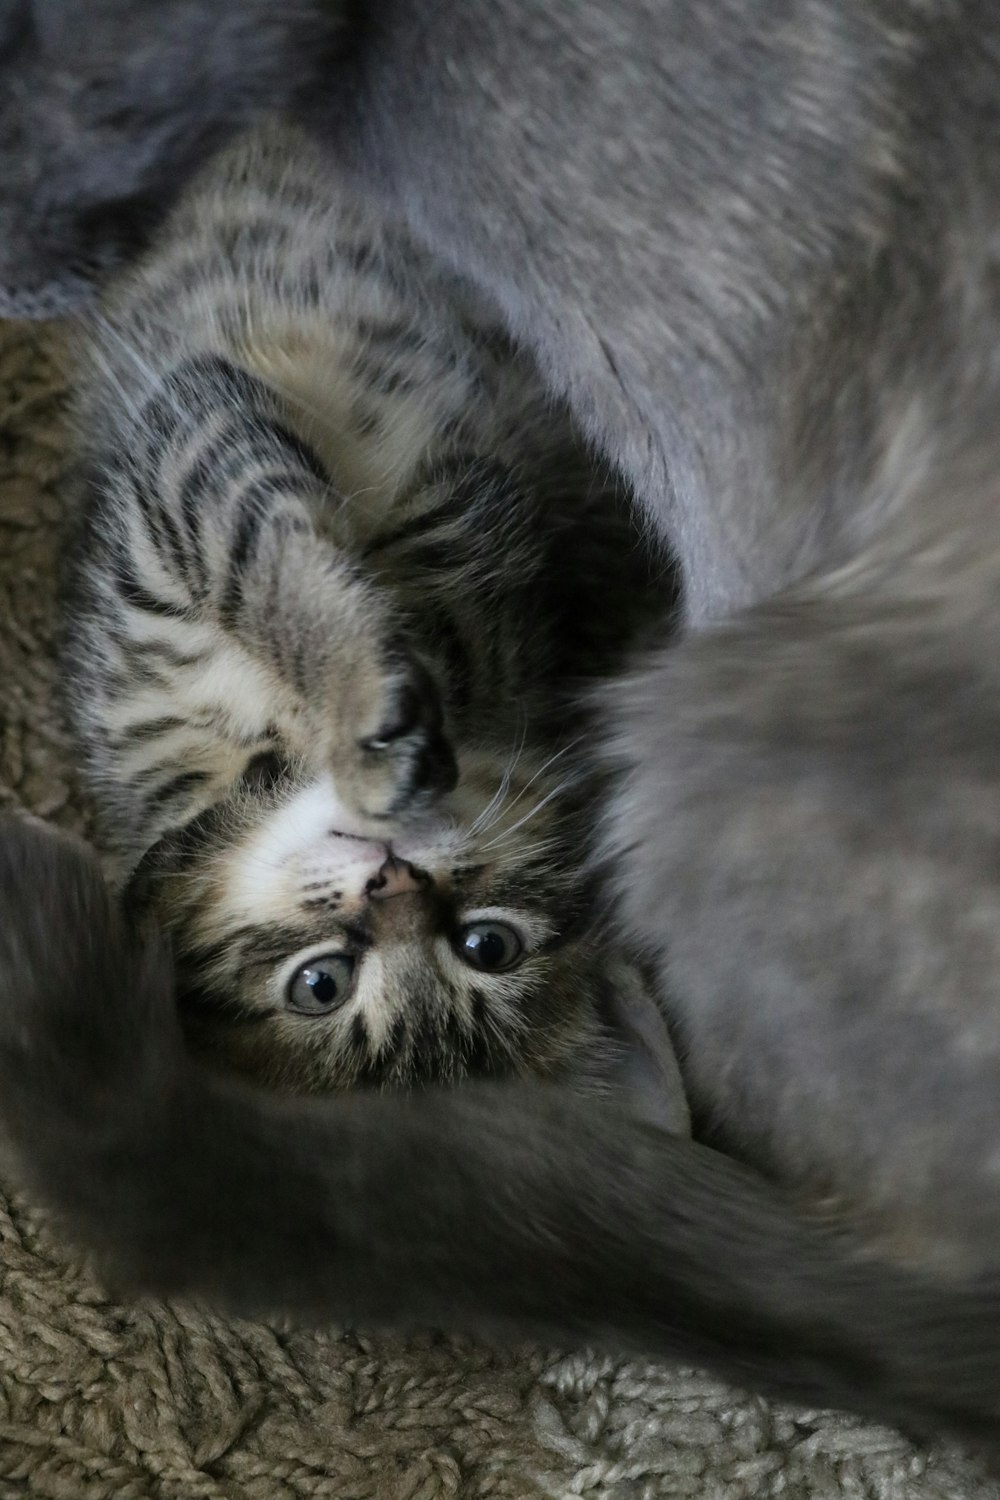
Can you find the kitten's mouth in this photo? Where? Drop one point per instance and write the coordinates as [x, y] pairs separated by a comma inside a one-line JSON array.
[[396, 877]]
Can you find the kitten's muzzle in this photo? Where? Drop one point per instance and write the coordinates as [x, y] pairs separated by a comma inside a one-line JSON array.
[[396, 877], [401, 902]]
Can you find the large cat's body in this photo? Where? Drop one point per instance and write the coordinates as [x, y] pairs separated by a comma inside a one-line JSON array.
[[755, 244]]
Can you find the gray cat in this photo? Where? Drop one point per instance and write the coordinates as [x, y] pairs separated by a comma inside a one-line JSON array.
[[755, 247]]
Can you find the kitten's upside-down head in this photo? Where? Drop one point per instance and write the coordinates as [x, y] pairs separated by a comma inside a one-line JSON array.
[[317, 953]]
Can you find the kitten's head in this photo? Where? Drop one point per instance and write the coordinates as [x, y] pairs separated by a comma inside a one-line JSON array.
[[108, 106], [316, 956]]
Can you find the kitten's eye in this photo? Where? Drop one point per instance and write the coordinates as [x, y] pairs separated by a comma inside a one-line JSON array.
[[321, 985], [491, 946]]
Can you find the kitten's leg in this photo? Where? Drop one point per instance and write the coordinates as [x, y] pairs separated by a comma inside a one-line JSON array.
[[217, 618]]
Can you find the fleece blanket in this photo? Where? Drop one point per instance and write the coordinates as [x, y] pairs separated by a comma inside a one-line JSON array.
[[152, 1402]]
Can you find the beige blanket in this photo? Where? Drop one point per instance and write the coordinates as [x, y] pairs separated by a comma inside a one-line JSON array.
[[102, 1400]]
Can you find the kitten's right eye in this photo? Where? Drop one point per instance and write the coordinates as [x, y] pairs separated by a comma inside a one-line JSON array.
[[489, 946], [321, 985]]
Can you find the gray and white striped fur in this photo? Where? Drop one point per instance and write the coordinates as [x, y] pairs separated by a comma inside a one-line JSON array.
[[325, 632]]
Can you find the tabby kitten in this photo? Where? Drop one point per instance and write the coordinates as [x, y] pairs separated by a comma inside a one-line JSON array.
[[318, 657], [755, 246]]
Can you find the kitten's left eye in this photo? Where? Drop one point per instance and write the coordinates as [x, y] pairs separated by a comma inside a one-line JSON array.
[[321, 985], [490, 946]]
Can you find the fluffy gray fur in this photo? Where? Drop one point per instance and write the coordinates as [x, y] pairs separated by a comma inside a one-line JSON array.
[[755, 247]]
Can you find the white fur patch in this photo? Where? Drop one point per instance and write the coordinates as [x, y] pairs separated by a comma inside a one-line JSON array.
[[313, 837]]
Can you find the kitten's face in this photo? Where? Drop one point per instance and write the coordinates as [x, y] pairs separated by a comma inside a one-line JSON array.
[[107, 107], [317, 956]]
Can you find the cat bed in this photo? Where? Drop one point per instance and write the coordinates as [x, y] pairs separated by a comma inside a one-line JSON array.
[[141, 1401]]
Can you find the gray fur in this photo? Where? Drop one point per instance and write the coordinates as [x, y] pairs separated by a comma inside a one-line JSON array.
[[755, 246], [106, 110]]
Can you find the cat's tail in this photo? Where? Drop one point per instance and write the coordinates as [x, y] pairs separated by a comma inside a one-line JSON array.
[[504, 1211]]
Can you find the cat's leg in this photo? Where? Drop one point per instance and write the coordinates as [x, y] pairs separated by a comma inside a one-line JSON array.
[[219, 621], [808, 825], [507, 1211]]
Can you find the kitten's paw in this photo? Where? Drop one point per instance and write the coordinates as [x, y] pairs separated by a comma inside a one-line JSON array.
[[393, 757]]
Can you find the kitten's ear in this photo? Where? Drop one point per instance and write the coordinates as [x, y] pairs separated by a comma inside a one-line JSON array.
[[164, 858], [643, 1065], [177, 847], [170, 855]]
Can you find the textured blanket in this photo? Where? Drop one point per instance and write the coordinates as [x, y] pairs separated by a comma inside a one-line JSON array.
[[101, 1400]]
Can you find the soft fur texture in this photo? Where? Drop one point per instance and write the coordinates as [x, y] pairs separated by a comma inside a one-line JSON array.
[[325, 645], [129, 1399], [755, 247], [105, 112]]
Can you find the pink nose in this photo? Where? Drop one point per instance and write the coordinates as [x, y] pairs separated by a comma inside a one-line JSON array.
[[395, 878]]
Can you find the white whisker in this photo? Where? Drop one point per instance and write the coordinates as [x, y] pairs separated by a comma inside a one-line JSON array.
[[545, 766], [483, 823], [556, 791]]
